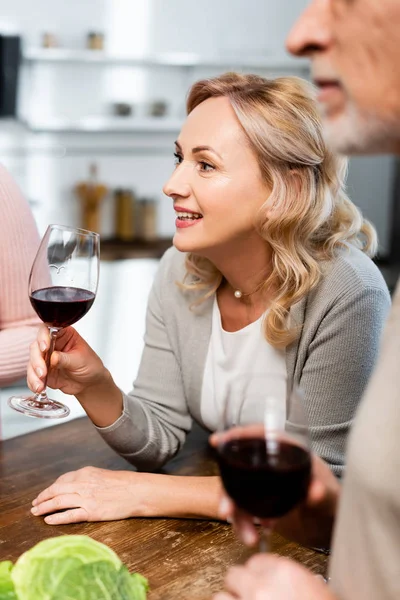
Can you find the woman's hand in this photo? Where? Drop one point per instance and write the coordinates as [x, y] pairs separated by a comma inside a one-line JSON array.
[[77, 370], [74, 365], [270, 577], [92, 494], [310, 523]]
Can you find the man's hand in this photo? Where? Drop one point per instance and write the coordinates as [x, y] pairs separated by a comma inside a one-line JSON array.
[[270, 577]]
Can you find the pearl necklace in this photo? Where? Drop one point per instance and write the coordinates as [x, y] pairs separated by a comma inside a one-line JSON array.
[[239, 295]]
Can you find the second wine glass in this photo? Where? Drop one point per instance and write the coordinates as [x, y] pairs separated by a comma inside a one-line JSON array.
[[62, 288], [263, 447]]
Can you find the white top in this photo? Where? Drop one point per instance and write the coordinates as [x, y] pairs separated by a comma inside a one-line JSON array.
[[234, 354]]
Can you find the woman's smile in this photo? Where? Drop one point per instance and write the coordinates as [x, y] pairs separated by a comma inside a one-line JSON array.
[[186, 217]]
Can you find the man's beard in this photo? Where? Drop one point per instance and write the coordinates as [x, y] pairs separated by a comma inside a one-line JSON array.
[[355, 133]]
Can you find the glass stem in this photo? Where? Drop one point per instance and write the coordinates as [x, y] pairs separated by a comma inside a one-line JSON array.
[[264, 545], [42, 397]]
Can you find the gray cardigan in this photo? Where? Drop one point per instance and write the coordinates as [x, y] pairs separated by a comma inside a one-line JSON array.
[[341, 323]]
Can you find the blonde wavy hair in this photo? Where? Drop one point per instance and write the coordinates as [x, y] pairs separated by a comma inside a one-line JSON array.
[[308, 214]]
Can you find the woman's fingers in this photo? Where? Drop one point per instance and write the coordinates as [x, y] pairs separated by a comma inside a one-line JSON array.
[[54, 490], [67, 339], [43, 338], [36, 370], [99, 501], [37, 359], [75, 515], [57, 503], [61, 360], [69, 477], [34, 383]]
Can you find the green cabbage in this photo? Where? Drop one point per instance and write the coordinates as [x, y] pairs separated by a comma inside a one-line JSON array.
[[7, 591], [70, 567], [101, 580]]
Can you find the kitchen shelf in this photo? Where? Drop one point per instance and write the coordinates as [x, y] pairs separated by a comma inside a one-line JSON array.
[[176, 59], [114, 249], [136, 124], [105, 125]]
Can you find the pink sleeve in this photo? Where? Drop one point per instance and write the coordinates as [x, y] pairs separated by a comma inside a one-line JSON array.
[[19, 241]]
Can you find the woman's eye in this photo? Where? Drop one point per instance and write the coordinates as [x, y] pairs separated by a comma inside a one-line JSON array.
[[177, 158], [206, 167]]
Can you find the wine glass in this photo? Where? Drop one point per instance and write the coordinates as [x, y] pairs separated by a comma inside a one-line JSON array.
[[263, 448], [62, 288]]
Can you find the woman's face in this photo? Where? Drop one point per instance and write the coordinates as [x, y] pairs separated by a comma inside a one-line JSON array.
[[217, 186]]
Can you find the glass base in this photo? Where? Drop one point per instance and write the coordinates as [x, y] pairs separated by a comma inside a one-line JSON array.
[[31, 407]]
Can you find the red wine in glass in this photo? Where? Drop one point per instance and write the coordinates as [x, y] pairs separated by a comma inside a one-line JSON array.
[[61, 306], [62, 288], [266, 477], [263, 448]]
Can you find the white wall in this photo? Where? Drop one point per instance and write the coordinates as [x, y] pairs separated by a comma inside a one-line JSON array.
[[215, 27], [158, 25]]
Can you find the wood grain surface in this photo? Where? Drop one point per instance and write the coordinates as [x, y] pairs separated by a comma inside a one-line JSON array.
[[182, 558]]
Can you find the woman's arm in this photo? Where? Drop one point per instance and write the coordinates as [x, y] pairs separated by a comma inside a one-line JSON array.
[[19, 241], [92, 494], [340, 360], [155, 417], [148, 425]]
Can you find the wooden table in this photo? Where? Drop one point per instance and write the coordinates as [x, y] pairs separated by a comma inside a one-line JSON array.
[[181, 558]]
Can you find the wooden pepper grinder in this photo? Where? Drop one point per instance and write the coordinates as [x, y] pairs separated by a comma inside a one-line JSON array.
[[124, 214], [91, 194]]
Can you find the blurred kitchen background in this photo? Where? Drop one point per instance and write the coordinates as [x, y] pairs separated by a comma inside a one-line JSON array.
[[92, 97]]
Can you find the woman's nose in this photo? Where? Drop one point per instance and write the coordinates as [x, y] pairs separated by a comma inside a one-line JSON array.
[[178, 184]]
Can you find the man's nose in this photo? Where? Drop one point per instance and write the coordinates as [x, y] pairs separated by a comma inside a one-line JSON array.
[[312, 31]]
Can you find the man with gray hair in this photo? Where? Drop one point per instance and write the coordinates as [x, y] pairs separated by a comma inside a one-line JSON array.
[[354, 48]]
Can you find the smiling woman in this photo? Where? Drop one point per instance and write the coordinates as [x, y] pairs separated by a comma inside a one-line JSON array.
[[269, 274]]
